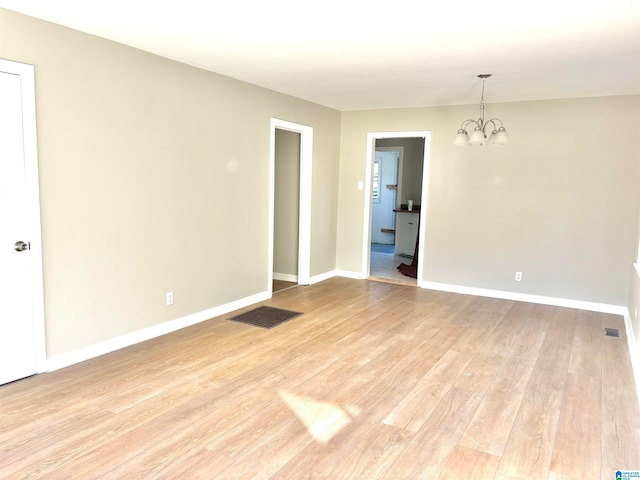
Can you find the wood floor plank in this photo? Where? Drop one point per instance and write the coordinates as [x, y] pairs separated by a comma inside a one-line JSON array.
[[620, 448], [620, 404], [586, 353], [415, 408], [35, 450], [275, 444], [557, 476], [481, 371], [562, 325], [361, 450], [577, 448], [467, 463], [426, 456], [200, 464], [373, 450]]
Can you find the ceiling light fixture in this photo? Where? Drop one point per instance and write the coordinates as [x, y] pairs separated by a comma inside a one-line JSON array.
[[498, 135]]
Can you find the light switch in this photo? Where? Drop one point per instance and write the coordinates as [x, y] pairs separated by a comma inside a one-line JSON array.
[[360, 184]]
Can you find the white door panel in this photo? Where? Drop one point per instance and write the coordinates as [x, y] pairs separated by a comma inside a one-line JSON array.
[[18, 356], [383, 197]]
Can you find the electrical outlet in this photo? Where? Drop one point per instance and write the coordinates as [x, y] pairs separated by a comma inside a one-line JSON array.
[[518, 276], [170, 298]]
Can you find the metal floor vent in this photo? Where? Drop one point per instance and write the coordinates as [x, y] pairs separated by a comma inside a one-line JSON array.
[[612, 332]]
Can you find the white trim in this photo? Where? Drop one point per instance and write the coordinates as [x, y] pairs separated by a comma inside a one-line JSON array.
[[525, 297], [366, 226], [123, 341], [634, 347], [285, 277], [424, 205], [304, 222], [349, 274], [27, 84], [634, 350], [322, 277]]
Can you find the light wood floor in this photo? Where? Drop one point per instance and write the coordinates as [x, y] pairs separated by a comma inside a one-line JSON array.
[[280, 285], [374, 381], [384, 267]]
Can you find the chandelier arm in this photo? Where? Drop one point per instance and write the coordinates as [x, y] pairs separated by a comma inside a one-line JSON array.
[[495, 127], [494, 120], [464, 124]]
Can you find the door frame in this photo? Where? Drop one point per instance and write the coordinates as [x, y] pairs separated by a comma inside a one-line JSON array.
[[27, 78], [304, 219], [366, 229]]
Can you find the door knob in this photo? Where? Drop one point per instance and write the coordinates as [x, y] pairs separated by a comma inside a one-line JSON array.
[[21, 246]]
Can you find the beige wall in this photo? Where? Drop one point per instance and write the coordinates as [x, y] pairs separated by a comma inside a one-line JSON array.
[[559, 204], [287, 203], [154, 177]]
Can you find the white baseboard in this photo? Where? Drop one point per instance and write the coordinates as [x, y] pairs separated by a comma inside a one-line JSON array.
[[285, 277], [634, 350], [525, 297], [322, 277], [349, 274], [91, 351]]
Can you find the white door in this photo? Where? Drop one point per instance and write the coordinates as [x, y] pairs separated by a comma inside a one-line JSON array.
[[383, 197], [19, 343]]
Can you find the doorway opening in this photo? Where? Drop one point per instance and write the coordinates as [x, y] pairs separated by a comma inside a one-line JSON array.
[[286, 210], [394, 227], [290, 205]]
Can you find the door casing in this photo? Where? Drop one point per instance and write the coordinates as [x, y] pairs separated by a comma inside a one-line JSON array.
[[304, 223]]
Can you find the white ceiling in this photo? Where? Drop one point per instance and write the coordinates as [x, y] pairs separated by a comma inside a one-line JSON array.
[[351, 55]]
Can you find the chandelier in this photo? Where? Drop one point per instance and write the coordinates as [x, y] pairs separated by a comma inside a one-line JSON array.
[[497, 136]]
